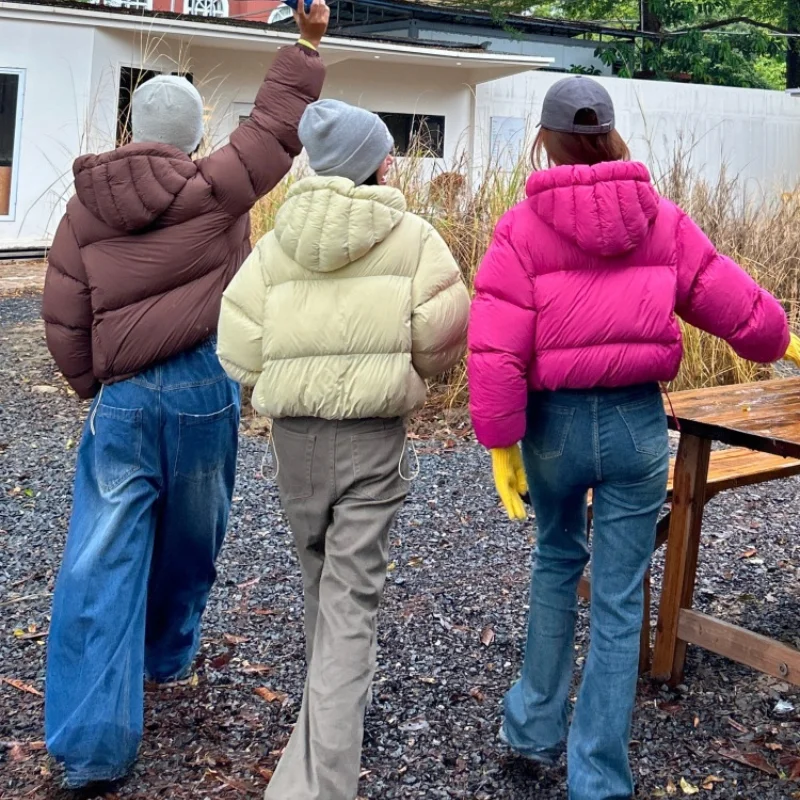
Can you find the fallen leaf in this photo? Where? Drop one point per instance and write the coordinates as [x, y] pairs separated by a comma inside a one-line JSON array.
[[256, 669], [672, 789], [476, 694], [45, 389], [749, 553], [774, 746], [487, 636], [271, 697], [265, 773], [791, 764], [221, 661], [417, 561], [17, 753], [392, 566], [264, 612], [429, 681], [230, 639], [22, 687], [711, 780], [688, 788], [754, 760], [697, 722]]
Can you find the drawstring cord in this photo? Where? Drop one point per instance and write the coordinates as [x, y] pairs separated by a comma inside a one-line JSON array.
[[671, 408], [414, 472], [94, 410], [270, 451]]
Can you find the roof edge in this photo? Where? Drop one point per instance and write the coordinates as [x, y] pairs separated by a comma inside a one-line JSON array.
[[228, 28]]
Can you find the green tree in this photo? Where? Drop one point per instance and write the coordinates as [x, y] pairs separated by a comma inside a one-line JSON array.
[[714, 42]]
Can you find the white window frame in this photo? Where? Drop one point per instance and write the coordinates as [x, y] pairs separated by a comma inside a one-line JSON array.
[[15, 156], [135, 5], [224, 7]]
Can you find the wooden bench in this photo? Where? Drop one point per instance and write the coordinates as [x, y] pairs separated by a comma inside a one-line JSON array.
[[727, 469]]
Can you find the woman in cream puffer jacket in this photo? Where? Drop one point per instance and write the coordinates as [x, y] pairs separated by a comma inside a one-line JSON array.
[[338, 318], [346, 308]]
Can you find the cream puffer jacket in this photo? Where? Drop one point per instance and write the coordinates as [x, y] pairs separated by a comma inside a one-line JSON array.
[[344, 309]]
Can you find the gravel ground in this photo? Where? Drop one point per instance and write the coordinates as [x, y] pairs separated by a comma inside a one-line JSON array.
[[458, 580]]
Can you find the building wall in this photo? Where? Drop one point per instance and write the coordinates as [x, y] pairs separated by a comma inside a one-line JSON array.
[[230, 84], [753, 134], [55, 60], [70, 102]]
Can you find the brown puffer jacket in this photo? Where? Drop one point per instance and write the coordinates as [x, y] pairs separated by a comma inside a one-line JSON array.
[[151, 238]]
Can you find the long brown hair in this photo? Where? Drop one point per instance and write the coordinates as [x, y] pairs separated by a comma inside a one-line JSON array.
[[553, 148]]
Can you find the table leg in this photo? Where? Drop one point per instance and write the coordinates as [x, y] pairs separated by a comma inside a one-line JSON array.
[[683, 544]]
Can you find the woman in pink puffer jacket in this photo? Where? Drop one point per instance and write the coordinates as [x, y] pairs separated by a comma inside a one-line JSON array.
[[573, 326]]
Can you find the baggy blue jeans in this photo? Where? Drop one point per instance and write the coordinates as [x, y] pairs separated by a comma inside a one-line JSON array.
[[615, 443], [153, 490]]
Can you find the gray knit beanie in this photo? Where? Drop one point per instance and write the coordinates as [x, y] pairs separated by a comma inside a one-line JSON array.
[[344, 141], [169, 110]]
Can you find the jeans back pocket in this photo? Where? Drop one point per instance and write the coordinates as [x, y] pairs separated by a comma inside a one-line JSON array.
[[548, 429], [647, 425], [206, 443], [117, 445]]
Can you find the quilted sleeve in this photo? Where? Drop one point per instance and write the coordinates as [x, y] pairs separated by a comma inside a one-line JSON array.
[[716, 295], [261, 149], [67, 312], [440, 309], [501, 342], [241, 321]]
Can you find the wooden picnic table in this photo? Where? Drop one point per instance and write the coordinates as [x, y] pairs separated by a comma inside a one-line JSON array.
[[763, 417]]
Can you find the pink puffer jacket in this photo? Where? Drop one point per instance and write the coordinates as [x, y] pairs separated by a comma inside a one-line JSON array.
[[580, 289]]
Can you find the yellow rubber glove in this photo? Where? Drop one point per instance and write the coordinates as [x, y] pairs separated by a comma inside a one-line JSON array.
[[509, 478], [793, 351]]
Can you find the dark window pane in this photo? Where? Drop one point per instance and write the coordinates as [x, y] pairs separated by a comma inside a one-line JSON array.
[[130, 79], [416, 133], [9, 98]]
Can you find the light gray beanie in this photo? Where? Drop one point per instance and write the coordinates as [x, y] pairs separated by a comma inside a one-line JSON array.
[[344, 141], [168, 109]]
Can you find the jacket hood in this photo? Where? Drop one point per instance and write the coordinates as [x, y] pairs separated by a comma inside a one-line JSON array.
[[327, 223], [130, 188], [607, 209]]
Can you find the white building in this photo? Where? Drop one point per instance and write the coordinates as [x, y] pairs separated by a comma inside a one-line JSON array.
[[66, 70]]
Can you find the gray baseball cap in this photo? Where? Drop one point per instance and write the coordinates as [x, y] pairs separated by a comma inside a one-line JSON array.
[[571, 95]]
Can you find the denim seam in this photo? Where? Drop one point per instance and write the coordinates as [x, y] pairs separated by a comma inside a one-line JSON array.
[[598, 460]]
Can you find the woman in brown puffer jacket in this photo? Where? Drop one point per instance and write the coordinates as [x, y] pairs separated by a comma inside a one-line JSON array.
[[135, 280]]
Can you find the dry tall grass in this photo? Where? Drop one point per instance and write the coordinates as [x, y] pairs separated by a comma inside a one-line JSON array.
[[763, 237]]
